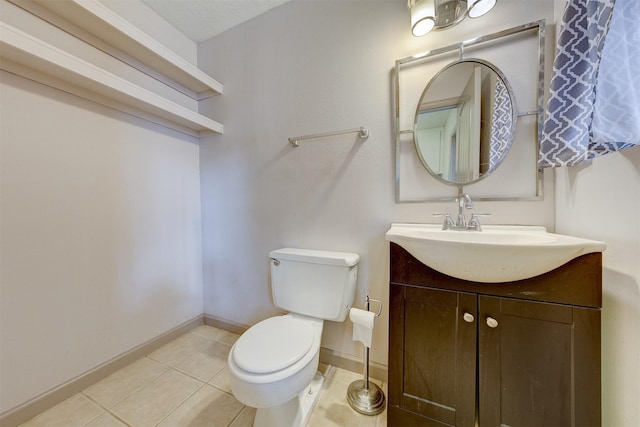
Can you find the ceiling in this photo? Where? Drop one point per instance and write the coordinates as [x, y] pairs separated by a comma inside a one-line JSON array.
[[203, 19]]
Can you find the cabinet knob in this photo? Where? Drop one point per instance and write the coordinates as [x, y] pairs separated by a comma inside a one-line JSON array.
[[491, 322], [468, 317]]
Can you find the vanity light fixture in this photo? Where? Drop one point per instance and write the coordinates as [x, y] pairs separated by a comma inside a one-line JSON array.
[[477, 8], [427, 15], [423, 16]]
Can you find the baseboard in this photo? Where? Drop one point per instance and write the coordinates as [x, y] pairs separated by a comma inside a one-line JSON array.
[[349, 362], [41, 403], [227, 325]]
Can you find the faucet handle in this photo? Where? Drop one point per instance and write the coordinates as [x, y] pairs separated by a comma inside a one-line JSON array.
[[448, 222], [474, 222]]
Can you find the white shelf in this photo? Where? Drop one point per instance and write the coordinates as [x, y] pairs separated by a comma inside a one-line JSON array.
[[95, 19], [26, 55]]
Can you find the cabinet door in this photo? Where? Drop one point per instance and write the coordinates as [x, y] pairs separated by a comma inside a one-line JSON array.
[[539, 364], [432, 361]]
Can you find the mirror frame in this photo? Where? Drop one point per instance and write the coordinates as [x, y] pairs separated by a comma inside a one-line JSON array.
[[512, 130], [539, 27]]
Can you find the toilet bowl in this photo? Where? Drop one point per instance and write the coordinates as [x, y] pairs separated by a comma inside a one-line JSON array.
[[273, 366]]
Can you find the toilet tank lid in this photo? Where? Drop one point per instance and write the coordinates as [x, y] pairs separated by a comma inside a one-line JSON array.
[[316, 256]]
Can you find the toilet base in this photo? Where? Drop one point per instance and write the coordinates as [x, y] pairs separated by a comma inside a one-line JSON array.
[[295, 412]]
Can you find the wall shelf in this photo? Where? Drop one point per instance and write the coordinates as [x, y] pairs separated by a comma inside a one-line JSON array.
[[101, 24], [30, 57]]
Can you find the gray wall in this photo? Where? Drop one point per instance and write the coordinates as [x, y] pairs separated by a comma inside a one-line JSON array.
[[100, 225], [302, 68]]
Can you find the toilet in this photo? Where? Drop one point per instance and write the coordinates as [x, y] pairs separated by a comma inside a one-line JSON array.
[[273, 366]]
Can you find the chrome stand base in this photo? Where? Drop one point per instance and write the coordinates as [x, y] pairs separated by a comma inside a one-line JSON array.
[[365, 401]]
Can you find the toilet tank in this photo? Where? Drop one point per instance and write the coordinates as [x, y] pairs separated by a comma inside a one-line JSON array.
[[313, 283]]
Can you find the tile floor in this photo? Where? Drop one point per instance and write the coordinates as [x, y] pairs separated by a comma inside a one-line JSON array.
[[185, 383]]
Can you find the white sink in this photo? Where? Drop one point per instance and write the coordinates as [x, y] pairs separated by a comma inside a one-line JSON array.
[[498, 253]]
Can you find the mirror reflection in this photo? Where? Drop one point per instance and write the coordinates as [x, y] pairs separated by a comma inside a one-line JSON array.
[[465, 122]]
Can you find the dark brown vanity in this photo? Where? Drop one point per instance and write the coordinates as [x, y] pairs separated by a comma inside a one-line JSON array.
[[523, 353]]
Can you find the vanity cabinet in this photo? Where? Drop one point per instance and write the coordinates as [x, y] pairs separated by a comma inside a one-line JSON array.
[[524, 353]]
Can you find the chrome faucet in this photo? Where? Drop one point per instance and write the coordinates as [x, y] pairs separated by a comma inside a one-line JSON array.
[[464, 202]]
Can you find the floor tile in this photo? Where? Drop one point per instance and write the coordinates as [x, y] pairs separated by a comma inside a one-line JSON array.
[[157, 399], [228, 338], [106, 420], [333, 410], [75, 411], [208, 332], [347, 377], [122, 383], [207, 407], [221, 380], [206, 362], [186, 383], [245, 419], [179, 349]]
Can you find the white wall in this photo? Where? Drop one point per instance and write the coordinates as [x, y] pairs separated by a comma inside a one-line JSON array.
[[601, 201], [302, 68], [101, 236]]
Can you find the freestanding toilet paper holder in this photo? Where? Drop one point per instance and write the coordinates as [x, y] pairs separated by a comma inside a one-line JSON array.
[[364, 396]]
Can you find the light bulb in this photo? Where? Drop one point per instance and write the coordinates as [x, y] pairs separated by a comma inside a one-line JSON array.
[[478, 8], [422, 17]]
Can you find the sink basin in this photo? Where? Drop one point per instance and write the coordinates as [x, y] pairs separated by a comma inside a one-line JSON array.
[[498, 253]]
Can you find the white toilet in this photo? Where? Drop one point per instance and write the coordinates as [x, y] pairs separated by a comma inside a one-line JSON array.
[[273, 365]]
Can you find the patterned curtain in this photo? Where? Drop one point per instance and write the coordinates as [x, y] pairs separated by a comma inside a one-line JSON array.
[[594, 101], [501, 124]]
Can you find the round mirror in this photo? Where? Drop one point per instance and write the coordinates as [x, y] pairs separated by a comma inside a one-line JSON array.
[[465, 122]]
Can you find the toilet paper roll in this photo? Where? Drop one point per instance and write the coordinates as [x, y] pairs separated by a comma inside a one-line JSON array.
[[362, 325]]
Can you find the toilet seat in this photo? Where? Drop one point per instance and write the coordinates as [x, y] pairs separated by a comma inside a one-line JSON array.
[[273, 344]]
